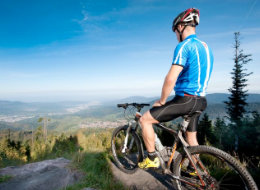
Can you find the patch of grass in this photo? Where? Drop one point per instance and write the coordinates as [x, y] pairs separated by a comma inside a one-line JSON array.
[[9, 162], [89, 151], [96, 167], [5, 178]]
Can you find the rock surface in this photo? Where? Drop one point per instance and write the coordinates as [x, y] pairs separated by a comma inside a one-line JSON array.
[[56, 174], [143, 180], [44, 175]]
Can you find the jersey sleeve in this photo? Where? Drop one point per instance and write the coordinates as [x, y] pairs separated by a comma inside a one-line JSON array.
[[180, 54]]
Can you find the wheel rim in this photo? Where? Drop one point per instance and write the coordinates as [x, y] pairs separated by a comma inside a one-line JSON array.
[[131, 157]]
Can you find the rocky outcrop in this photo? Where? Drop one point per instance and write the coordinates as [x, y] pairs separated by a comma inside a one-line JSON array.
[[143, 180], [44, 175]]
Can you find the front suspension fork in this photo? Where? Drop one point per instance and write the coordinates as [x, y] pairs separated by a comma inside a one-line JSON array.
[[126, 140]]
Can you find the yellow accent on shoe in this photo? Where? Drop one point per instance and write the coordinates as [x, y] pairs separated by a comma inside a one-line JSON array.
[[147, 163], [193, 173]]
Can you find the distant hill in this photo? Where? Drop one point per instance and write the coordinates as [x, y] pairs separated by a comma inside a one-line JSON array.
[[22, 108], [216, 106], [218, 110], [59, 108], [215, 98], [221, 97], [18, 108], [67, 115]]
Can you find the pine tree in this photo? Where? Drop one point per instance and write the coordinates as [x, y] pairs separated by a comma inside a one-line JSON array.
[[219, 130], [205, 130], [237, 101]]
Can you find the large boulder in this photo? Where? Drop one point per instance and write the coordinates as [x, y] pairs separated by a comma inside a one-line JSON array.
[[44, 175]]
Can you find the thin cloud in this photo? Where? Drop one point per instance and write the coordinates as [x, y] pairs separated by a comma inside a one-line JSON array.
[[134, 8], [85, 14], [249, 13], [138, 8], [84, 19]]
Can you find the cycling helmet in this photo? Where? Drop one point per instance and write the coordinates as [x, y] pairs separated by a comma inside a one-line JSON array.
[[186, 18]]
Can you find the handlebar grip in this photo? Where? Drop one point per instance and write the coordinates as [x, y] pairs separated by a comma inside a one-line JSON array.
[[136, 105], [121, 105]]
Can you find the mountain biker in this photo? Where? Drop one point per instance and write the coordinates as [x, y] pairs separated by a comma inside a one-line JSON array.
[[189, 75]]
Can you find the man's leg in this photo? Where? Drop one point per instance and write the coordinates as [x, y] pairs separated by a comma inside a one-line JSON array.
[[191, 133], [146, 122], [191, 138]]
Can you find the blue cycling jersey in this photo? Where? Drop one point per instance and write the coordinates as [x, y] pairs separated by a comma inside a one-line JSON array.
[[196, 58]]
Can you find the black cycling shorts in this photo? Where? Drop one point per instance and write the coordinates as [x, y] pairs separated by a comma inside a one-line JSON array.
[[180, 106]]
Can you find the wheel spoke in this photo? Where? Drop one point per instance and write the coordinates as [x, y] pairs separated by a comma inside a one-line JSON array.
[[223, 177], [233, 185]]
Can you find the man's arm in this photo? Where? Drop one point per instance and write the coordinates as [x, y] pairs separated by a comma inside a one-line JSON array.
[[169, 83]]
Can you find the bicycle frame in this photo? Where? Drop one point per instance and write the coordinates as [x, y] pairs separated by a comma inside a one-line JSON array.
[[193, 155], [134, 125]]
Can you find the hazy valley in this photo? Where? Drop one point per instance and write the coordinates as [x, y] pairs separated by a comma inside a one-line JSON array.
[[70, 116]]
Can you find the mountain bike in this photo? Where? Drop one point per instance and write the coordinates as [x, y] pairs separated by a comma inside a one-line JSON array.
[[191, 167]]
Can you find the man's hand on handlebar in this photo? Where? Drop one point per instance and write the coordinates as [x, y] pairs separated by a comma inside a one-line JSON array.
[[158, 103]]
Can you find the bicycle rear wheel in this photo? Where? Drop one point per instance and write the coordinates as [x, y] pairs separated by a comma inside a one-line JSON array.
[[217, 169], [126, 154]]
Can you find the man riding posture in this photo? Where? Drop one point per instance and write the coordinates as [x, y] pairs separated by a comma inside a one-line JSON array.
[[189, 76]]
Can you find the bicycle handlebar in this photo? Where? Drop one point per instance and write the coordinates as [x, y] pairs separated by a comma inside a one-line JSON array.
[[136, 105]]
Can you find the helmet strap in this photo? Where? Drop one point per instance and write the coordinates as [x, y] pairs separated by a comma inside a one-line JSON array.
[[180, 32]]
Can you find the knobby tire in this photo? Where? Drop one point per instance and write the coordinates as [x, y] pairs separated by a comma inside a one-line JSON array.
[[216, 161], [126, 162]]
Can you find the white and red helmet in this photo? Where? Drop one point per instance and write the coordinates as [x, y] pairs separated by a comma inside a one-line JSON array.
[[186, 18]]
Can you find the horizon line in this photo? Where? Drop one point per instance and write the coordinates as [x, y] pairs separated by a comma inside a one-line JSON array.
[[40, 99]]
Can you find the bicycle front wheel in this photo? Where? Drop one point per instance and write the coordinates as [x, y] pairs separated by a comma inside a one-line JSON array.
[[126, 149], [215, 170]]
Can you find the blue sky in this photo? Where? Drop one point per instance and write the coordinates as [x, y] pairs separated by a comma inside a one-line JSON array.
[[95, 50]]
